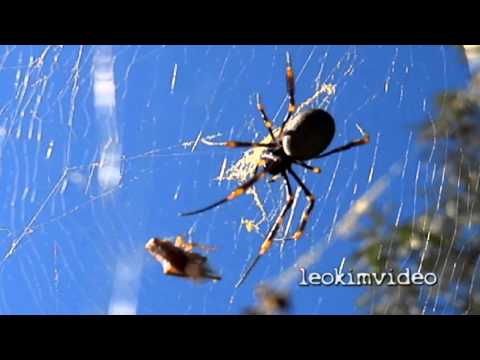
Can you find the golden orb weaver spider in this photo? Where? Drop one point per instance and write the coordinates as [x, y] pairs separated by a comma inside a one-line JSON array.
[[302, 137]]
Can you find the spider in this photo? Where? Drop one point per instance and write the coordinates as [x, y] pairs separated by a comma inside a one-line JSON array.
[[302, 137], [178, 259]]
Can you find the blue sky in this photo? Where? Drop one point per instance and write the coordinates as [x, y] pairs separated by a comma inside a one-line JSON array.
[[80, 240]]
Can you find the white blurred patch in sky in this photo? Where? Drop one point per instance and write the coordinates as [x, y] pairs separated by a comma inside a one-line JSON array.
[[109, 172], [3, 135], [126, 285]]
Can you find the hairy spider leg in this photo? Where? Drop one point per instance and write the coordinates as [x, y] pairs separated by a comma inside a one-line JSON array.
[[240, 190], [313, 169], [290, 91], [280, 219], [235, 144], [306, 213], [364, 140], [266, 120], [247, 272], [273, 231]]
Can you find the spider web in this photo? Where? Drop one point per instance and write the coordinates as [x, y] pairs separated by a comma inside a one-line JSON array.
[[102, 146]]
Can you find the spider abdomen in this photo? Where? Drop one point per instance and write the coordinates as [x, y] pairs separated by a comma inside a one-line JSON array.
[[308, 134]]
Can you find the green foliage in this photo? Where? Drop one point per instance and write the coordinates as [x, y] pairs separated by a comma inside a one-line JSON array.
[[443, 240]]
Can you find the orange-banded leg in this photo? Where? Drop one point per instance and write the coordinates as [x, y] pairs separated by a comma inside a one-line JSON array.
[[280, 219], [234, 144], [273, 231], [313, 169], [362, 141], [290, 91], [266, 120], [306, 213], [235, 193]]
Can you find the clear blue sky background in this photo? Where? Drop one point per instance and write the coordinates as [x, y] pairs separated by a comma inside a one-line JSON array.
[[83, 242]]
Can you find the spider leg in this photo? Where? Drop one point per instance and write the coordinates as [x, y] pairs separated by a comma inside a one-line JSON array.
[[362, 141], [290, 92], [247, 272], [234, 194], [306, 213], [266, 121], [313, 169], [234, 144], [273, 231]]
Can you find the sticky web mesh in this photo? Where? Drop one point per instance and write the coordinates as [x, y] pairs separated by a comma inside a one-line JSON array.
[[102, 146]]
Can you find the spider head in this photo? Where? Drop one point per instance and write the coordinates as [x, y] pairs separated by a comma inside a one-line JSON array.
[[276, 160]]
